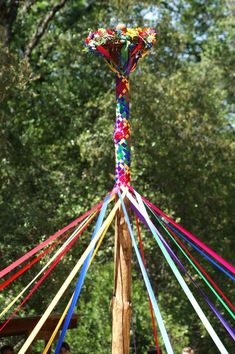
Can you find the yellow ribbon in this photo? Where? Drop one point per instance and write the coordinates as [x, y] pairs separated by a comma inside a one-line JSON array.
[[84, 223], [49, 343]]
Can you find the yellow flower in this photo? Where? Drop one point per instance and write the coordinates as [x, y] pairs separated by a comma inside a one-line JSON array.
[[132, 32]]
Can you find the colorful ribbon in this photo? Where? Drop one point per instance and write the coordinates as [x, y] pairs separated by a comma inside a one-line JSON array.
[[211, 260], [192, 261], [193, 238], [148, 284], [68, 280], [121, 48], [56, 258], [45, 243], [30, 264], [228, 328], [140, 206]]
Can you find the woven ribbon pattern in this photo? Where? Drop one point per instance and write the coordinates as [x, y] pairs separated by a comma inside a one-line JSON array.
[[121, 135]]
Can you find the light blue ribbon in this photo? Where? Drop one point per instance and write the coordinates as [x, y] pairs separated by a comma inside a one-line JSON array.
[[148, 285]]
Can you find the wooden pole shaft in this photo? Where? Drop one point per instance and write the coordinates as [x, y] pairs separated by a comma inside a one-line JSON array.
[[121, 309]]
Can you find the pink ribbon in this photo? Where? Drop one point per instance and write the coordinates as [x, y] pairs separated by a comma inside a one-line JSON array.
[[192, 237]]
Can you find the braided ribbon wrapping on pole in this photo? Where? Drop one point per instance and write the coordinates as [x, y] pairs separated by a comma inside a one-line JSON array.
[[121, 135], [121, 48]]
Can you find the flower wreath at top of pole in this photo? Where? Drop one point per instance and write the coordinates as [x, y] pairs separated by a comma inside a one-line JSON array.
[[121, 47]]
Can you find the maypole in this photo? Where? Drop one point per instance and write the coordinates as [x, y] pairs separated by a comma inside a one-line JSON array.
[[122, 48], [121, 304]]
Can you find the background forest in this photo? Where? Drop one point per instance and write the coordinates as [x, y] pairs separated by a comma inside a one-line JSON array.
[[57, 111]]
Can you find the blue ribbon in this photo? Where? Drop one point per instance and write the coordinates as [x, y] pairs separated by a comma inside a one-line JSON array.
[[199, 250], [81, 278]]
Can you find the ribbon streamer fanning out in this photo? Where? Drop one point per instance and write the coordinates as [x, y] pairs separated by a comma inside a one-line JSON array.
[[148, 285], [141, 208]]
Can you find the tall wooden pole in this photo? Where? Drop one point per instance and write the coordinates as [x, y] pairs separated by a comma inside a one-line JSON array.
[[121, 310]]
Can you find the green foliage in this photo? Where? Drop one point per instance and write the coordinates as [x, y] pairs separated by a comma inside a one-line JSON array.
[[57, 158]]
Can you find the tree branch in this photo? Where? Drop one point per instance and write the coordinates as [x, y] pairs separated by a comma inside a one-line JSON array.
[[27, 5], [42, 28]]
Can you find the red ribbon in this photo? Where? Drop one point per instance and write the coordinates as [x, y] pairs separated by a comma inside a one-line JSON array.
[[103, 51], [30, 264], [52, 266], [50, 239], [150, 303]]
